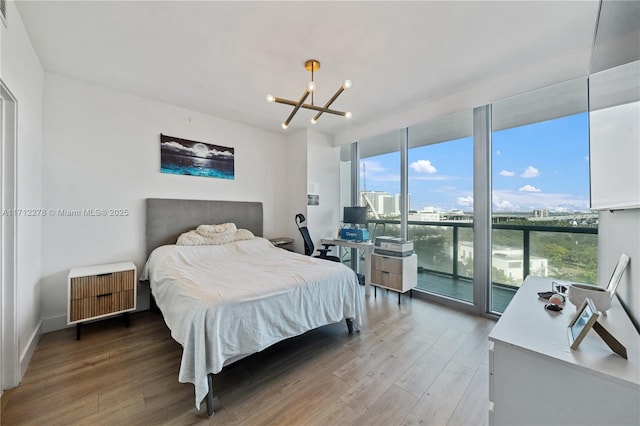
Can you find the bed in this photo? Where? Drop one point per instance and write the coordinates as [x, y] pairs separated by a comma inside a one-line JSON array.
[[224, 302]]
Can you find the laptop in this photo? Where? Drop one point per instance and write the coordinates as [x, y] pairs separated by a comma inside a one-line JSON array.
[[617, 273]]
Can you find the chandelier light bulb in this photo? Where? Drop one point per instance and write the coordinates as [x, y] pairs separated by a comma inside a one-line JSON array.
[[285, 125], [311, 86], [347, 115], [346, 84], [270, 98], [313, 120]]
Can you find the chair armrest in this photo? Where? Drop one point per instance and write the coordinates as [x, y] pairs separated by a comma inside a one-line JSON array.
[[326, 246], [323, 252]]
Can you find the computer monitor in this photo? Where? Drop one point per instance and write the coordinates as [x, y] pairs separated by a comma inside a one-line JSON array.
[[355, 215]]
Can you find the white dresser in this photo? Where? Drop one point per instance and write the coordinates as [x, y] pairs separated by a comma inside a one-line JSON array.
[[534, 378]]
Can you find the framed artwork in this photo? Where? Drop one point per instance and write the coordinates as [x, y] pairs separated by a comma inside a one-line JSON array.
[[313, 200], [184, 157]]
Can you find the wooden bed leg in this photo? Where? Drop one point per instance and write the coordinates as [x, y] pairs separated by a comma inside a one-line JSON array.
[[210, 395], [350, 325]]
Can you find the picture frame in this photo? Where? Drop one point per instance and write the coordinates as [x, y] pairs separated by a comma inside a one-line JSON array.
[[621, 266], [584, 319]]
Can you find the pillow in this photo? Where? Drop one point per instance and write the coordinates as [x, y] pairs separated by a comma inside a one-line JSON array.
[[193, 238], [213, 230], [244, 234]]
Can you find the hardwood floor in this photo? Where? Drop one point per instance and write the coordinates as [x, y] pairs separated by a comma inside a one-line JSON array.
[[415, 363]]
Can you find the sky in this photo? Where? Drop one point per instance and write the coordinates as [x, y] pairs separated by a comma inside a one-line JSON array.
[[538, 166]]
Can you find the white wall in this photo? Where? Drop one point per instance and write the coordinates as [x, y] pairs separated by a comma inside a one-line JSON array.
[[311, 158], [324, 170], [618, 232], [23, 75], [296, 187], [101, 149]]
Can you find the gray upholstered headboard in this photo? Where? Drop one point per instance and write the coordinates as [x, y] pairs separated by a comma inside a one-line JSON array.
[[168, 218]]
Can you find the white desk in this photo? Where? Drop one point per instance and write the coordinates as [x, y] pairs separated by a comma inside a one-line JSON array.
[[367, 247]]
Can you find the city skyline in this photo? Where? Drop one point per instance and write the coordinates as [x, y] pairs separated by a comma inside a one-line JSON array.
[[538, 166]]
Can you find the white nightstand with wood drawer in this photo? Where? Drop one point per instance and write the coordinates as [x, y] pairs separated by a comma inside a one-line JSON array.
[[394, 273], [100, 291]]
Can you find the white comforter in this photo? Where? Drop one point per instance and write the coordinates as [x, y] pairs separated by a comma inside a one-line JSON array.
[[222, 302]]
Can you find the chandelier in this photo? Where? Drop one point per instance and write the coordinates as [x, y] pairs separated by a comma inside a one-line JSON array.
[[312, 65]]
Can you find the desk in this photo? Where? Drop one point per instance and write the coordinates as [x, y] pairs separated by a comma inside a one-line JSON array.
[[367, 247]]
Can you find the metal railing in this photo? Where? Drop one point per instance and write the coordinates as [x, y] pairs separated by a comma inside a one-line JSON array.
[[381, 227]]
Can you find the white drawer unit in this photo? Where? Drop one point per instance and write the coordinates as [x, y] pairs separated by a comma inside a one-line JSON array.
[[100, 291], [536, 379], [394, 273]]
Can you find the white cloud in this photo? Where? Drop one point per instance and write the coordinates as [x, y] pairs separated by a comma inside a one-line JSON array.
[[510, 200], [176, 146], [529, 188], [465, 201], [372, 166], [502, 204], [423, 166], [586, 158], [498, 152], [530, 172], [507, 173]]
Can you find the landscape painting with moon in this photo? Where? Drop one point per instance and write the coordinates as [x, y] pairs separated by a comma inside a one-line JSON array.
[[184, 157]]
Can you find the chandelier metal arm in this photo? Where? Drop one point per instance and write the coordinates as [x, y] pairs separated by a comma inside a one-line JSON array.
[[333, 98], [296, 108], [309, 106]]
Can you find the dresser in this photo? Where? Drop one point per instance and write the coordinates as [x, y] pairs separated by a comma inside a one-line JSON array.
[[394, 273], [100, 291], [535, 378]]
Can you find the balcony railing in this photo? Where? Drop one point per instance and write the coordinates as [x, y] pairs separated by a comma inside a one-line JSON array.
[[446, 249]]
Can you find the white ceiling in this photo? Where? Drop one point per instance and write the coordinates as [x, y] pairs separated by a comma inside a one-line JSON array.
[[223, 58]]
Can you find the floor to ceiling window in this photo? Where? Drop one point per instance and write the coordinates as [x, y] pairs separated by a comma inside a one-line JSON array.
[[542, 224], [530, 166], [380, 183], [440, 219]]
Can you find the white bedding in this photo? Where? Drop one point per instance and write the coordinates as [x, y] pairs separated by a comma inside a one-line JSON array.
[[222, 302]]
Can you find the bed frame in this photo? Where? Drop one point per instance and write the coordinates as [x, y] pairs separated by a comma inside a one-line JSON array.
[[168, 218]]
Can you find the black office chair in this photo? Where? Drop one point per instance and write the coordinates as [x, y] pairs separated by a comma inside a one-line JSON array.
[[308, 243]]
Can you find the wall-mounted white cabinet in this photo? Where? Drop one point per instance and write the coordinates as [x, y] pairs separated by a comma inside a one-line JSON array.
[[614, 137]]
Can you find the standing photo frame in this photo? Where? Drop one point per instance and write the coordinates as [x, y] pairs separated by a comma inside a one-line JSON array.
[[585, 319]]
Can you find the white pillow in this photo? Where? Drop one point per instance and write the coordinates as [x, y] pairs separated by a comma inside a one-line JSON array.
[[193, 238], [213, 230], [244, 234]]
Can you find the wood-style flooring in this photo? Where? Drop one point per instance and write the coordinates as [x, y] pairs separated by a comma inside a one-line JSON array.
[[414, 363]]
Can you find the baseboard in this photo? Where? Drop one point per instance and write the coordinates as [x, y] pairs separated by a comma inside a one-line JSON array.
[[60, 322], [30, 348], [54, 323]]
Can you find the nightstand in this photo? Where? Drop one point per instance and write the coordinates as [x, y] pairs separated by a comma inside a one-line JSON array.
[[398, 274], [100, 291], [283, 242]]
